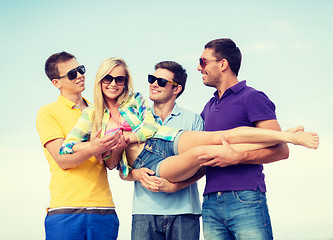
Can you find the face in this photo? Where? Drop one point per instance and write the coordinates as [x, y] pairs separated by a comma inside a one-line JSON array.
[[162, 94], [112, 90], [211, 73], [74, 86]]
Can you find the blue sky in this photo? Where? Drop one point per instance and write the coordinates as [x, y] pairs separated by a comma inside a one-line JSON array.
[[287, 53]]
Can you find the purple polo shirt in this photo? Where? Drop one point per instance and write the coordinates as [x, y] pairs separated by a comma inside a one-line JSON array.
[[240, 105]]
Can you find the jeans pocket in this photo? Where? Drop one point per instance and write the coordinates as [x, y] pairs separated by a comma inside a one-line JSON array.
[[249, 196]]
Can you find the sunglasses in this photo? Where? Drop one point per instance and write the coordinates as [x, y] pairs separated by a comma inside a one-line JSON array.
[[203, 62], [160, 81], [72, 74], [120, 80]]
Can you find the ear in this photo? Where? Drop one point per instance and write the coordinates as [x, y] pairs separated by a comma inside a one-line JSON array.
[[224, 64], [56, 83], [177, 89]]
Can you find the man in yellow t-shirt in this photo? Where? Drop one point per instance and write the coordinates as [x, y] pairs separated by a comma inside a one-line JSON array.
[[81, 204]]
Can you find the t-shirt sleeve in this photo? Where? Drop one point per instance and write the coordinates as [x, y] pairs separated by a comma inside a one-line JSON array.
[[48, 126], [198, 124], [260, 107]]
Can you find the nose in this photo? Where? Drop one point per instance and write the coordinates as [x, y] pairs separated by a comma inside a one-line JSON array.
[[113, 83], [154, 84], [79, 75], [199, 68]]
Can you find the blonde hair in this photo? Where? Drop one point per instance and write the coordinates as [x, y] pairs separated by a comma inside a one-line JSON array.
[[99, 103]]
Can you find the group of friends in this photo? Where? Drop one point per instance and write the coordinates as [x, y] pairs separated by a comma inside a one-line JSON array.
[[165, 149]]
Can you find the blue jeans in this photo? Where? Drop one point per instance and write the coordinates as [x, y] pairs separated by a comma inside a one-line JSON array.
[[236, 215], [165, 227], [81, 224]]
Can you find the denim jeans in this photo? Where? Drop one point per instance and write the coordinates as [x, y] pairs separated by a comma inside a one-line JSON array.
[[165, 227], [236, 215]]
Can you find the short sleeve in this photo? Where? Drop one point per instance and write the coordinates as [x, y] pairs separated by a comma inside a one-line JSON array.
[[260, 107], [48, 126]]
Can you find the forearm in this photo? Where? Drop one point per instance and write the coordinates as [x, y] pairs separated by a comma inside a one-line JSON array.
[[266, 155], [75, 159], [131, 136], [180, 185], [66, 161]]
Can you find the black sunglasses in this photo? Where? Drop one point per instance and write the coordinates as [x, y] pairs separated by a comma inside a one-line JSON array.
[[72, 74], [203, 62], [160, 81], [120, 80]]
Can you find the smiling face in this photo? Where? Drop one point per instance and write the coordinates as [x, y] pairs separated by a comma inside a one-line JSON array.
[[211, 74], [112, 91], [162, 94], [65, 85]]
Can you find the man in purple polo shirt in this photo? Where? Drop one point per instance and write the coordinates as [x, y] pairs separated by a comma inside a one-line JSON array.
[[234, 204]]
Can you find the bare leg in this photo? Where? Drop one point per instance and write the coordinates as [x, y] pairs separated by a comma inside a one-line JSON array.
[[181, 167], [190, 139]]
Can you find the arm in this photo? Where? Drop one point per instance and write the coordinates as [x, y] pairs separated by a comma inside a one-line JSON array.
[[231, 156], [67, 161], [171, 187], [267, 155], [158, 184]]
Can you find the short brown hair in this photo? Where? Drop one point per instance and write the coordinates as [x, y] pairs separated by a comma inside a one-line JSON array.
[[51, 68]]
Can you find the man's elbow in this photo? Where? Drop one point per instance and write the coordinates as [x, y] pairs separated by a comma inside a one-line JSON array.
[[284, 152], [65, 165]]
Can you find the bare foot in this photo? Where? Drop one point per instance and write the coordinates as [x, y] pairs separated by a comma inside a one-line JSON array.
[[296, 129], [306, 139]]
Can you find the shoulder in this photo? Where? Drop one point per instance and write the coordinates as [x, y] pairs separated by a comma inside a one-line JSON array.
[[193, 120], [187, 112], [49, 108], [252, 94]]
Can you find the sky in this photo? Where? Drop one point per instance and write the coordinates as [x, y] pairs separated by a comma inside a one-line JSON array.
[[287, 53]]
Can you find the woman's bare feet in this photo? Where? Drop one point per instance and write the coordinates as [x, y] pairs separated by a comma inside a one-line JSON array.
[[306, 139]]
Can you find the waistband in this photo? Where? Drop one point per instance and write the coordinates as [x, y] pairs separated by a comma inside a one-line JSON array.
[[85, 210]]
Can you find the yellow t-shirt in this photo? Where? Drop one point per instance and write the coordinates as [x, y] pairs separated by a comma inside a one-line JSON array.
[[84, 186]]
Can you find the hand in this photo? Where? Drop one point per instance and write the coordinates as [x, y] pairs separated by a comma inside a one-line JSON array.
[[165, 185], [115, 156], [122, 143], [108, 142], [221, 156], [144, 176], [158, 184]]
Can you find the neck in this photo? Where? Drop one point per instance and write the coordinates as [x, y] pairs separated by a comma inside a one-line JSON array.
[[77, 99], [112, 105], [225, 83], [163, 109]]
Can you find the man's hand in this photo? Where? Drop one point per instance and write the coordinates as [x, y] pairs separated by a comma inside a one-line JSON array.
[[222, 156], [108, 142], [146, 178], [115, 155]]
